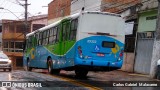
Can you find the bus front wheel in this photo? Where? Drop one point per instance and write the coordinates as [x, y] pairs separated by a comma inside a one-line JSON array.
[[81, 73]]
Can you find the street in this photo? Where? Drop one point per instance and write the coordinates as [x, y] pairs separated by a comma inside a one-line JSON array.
[[68, 81]]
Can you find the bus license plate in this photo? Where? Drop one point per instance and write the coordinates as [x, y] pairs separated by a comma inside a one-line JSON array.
[[100, 54]]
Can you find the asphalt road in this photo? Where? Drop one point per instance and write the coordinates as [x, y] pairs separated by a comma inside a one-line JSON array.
[[68, 81]]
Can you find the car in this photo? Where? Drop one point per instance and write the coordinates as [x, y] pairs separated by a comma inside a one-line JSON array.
[[5, 62]]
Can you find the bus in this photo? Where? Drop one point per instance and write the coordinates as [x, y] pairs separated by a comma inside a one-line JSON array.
[[86, 41]]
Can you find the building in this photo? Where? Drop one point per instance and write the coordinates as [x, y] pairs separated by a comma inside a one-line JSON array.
[[58, 9], [89, 5], [0, 35], [13, 32], [145, 37]]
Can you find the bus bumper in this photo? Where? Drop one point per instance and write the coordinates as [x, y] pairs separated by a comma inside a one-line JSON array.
[[98, 64]]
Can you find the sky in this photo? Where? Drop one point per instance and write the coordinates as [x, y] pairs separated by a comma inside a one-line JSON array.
[[36, 7]]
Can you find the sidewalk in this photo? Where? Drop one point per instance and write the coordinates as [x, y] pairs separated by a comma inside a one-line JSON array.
[[121, 76]]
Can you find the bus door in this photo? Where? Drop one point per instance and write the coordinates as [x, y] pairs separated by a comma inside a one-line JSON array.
[[65, 36]]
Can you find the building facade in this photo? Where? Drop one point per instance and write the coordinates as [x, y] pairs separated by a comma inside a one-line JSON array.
[[89, 5], [13, 37], [58, 9], [145, 38], [0, 35]]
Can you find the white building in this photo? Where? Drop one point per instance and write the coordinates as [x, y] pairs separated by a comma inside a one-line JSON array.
[[89, 5]]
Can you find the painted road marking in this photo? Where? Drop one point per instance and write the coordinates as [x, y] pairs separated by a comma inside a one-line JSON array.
[[90, 87], [139, 75]]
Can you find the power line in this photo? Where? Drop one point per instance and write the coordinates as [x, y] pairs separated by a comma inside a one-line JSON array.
[[13, 12], [13, 2], [2, 3]]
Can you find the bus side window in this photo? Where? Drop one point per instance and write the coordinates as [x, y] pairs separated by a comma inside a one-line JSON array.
[[66, 30], [58, 33], [74, 24], [44, 37], [50, 35], [40, 38], [54, 35], [36, 39], [26, 44], [47, 37], [30, 42]]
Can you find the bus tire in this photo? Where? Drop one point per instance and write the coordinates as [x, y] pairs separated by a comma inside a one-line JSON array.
[[50, 65], [28, 68], [81, 73]]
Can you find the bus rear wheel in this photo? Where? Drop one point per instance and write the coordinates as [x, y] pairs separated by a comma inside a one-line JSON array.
[[81, 72], [50, 70]]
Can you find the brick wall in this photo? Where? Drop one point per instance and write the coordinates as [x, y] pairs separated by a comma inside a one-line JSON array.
[[116, 6], [58, 8]]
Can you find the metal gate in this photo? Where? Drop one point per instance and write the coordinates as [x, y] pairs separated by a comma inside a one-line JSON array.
[[144, 53]]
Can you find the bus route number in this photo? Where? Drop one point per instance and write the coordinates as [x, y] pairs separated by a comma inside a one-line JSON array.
[[91, 41]]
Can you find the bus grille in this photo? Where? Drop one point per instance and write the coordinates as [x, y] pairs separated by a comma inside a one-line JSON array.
[[3, 62]]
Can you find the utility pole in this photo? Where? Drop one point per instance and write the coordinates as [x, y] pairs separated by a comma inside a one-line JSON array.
[[26, 15], [156, 46]]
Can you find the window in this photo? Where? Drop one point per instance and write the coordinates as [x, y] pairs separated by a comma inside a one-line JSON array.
[[20, 29], [18, 47], [19, 62], [58, 33], [13, 46], [30, 41], [5, 46], [66, 30], [74, 25], [37, 26], [50, 35], [40, 38], [0, 29], [107, 44], [129, 44], [36, 38], [45, 37], [54, 35]]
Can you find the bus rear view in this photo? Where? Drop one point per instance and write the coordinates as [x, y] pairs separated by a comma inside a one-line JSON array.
[[100, 41]]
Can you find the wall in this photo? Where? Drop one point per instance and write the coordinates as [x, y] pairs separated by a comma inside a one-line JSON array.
[[39, 21], [147, 24], [128, 63], [89, 5], [58, 8], [116, 6]]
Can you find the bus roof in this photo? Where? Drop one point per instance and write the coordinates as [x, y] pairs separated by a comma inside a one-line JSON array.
[[71, 17]]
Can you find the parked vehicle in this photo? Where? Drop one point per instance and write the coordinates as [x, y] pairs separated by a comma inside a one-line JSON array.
[[5, 62], [158, 69], [82, 42]]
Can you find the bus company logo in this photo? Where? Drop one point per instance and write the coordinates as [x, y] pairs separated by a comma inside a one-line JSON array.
[[6, 84], [97, 48]]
